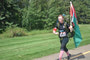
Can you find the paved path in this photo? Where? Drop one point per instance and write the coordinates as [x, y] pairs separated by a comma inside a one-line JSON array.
[[81, 53]]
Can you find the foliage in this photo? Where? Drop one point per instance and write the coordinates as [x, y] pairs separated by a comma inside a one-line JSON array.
[[40, 14], [10, 11], [13, 31]]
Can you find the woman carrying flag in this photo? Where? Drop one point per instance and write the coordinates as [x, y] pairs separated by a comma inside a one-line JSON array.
[[63, 29]]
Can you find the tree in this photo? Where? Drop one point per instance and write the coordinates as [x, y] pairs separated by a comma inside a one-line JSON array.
[[10, 11]]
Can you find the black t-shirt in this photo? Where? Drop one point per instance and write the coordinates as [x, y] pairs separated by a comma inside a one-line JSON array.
[[62, 27]]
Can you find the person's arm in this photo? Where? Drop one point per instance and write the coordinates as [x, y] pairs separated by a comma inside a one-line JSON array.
[[70, 27], [54, 31]]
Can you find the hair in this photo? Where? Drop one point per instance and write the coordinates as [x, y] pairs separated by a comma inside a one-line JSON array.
[[60, 16]]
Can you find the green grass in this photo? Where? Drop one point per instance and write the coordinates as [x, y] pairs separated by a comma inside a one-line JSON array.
[[36, 45]]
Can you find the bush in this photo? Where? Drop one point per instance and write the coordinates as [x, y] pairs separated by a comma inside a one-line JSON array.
[[14, 32]]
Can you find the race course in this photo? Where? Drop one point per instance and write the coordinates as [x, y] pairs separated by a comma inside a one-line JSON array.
[[81, 53]]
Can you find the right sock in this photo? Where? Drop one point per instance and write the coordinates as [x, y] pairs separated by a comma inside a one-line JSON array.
[[69, 57], [67, 53]]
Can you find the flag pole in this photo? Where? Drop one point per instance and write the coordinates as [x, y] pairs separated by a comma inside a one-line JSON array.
[[71, 18]]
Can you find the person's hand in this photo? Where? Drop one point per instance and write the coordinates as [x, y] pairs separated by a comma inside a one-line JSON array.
[[55, 32], [71, 28]]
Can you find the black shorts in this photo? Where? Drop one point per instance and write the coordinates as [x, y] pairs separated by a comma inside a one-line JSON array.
[[64, 42]]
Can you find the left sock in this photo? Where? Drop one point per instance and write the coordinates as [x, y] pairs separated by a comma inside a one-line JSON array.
[[67, 53]]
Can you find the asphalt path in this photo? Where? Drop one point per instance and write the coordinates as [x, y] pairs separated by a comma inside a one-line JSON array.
[[81, 53]]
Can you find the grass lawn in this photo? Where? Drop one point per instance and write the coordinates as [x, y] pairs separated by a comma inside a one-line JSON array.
[[34, 46]]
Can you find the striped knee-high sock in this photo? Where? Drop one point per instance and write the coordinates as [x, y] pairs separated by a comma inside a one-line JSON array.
[[61, 54]]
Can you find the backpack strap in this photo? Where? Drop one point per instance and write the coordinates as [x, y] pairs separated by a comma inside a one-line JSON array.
[[66, 28], [65, 24]]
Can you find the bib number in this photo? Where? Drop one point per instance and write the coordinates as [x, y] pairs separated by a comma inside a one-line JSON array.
[[62, 34]]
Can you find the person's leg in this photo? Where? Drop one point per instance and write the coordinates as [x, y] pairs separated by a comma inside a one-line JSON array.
[[62, 49], [65, 48], [61, 54]]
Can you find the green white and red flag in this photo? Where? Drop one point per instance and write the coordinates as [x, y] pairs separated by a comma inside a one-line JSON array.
[[77, 37]]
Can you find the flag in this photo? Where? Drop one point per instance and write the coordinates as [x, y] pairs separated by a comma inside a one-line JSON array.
[[77, 37]]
